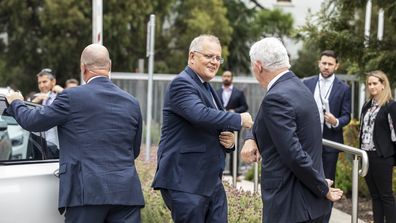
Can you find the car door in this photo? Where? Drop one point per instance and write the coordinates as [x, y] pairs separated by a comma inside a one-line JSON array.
[[28, 174]]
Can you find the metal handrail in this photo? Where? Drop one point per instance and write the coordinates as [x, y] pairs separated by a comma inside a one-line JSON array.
[[349, 149], [355, 171]]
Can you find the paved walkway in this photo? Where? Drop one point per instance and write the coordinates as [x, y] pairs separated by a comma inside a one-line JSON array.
[[337, 216]]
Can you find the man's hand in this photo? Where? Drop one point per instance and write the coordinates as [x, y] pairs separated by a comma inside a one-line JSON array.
[[57, 89], [247, 120], [227, 139], [14, 96], [330, 118], [334, 194], [40, 97], [250, 152]]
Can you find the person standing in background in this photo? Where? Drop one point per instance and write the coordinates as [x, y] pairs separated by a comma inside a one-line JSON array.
[[233, 100], [377, 138], [333, 99], [71, 83], [48, 91]]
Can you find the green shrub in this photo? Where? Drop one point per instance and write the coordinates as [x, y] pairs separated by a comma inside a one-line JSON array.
[[243, 207], [249, 175]]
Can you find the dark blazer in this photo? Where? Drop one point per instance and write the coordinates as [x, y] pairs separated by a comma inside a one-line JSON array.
[[237, 100], [340, 107], [99, 129], [288, 135], [382, 134], [190, 156]]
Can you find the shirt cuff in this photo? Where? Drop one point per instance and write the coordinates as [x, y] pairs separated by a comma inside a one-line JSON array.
[[337, 124]]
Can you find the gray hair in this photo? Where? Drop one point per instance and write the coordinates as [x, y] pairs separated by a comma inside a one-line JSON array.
[[271, 53], [196, 44], [46, 72]]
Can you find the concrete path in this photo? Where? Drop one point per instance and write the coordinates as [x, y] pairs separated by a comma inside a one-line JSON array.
[[337, 216]]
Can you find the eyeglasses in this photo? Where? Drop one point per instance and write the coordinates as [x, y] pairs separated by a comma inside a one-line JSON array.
[[211, 57], [46, 70]]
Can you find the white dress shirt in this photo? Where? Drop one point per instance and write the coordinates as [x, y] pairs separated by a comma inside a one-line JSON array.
[[322, 93], [227, 91]]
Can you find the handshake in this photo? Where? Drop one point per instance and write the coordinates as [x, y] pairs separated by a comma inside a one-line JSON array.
[[246, 120]]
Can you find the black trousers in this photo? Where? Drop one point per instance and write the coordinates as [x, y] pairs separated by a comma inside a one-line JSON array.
[[103, 214], [193, 208], [329, 167], [316, 220], [379, 182]]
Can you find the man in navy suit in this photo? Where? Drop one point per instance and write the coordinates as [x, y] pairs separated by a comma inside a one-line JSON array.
[[195, 135], [100, 128], [331, 93], [287, 133], [233, 100]]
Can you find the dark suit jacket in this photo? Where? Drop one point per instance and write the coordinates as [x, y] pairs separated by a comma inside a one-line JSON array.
[[100, 129], [237, 100], [190, 156], [382, 133], [288, 135], [340, 107]]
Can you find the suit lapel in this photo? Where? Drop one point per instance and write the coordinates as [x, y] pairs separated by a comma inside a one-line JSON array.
[[334, 91], [199, 85], [311, 84], [232, 96]]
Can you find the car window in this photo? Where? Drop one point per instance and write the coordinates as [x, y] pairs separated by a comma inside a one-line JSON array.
[[18, 144]]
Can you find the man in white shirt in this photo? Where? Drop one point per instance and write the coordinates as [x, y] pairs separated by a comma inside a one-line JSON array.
[[333, 99], [48, 92], [233, 100]]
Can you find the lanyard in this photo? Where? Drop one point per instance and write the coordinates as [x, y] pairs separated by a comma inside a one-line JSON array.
[[327, 93]]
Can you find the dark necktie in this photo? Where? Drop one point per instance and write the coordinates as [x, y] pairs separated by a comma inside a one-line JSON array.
[[206, 85]]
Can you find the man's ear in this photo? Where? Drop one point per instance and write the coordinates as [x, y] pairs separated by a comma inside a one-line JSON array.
[[191, 57], [336, 66], [258, 66]]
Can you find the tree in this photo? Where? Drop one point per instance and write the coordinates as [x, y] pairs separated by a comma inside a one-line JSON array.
[[250, 24], [53, 33], [340, 26], [41, 34], [193, 18], [241, 18]]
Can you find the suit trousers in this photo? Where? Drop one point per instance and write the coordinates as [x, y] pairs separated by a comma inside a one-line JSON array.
[[379, 182], [329, 167], [316, 220], [103, 213], [193, 208]]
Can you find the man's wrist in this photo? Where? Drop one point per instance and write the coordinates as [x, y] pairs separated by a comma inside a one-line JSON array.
[[337, 124]]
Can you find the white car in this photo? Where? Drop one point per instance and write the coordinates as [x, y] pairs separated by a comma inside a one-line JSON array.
[[28, 175]]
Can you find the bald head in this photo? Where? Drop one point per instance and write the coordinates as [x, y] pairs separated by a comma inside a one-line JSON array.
[[95, 60], [95, 56]]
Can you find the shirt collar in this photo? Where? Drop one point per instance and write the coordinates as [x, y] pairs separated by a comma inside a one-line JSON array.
[[272, 82], [329, 79], [228, 88], [90, 79]]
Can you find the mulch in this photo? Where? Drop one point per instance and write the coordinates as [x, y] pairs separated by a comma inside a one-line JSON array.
[[365, 212]]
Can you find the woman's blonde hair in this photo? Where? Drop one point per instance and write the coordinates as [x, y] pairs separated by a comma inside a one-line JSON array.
[[385, 95]]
